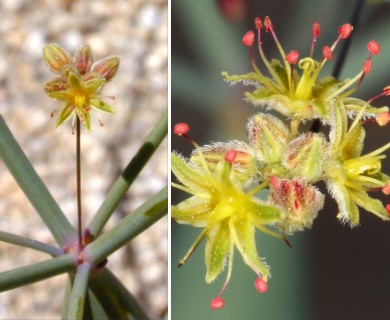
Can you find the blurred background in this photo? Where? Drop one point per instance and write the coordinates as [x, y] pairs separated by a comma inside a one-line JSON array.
[[135, 31], [332, 271]]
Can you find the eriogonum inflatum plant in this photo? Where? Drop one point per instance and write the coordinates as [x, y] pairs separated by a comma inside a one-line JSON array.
[[225, 179], [78, 82]]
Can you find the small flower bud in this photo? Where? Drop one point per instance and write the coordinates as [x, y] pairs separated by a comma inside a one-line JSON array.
[[327, 53], [292, 57], [248, 39], [261, 285], [217, 303], [268, 135], [106, 67], [373, 47], [56, 58], [83, 59], [345, 31], [305, 156], [300, 201], [181, 128]]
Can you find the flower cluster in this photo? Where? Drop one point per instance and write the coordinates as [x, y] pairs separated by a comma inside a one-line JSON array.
[[225, 179], [78, 82]]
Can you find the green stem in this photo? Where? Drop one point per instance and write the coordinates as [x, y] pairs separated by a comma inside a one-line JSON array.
[[23, 276], [112, 293], [129, 227], [33, 187], [30, 243], [123, 183], [79, 290]]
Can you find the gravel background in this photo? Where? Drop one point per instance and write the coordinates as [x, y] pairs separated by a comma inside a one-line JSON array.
[[136, 31]]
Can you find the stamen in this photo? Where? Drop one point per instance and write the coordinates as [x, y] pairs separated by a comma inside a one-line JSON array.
[[388, 208], [386, 188], [373, 47], [217, 303], [181, 130], [261, 285], [383, 118], [193, 247], [327, 53], [248, 39], [230, 156], [316, 33]]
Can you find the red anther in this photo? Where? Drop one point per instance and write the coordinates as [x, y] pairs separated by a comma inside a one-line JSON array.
[[181, 128], [386, 187], [383, 118], [367, 66], [230, 156], [292, 57], [274, 182], [248, 39], [388, 208], [268, 24], [327, 53], [386, 90], [316, 29], [217, 303], [258, 23], [296, 204], [373, 48], [261, 285], [345, 30]]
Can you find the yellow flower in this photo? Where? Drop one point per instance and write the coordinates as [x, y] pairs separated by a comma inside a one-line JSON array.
[[228, 214], [349, 174], [302, 94], [79, 82]]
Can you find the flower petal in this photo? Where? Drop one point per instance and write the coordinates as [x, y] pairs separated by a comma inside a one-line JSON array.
[[243, 234], [192, 177], [55, 85], [65, 114], [194, 211], [101, 105], [217, 249]]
